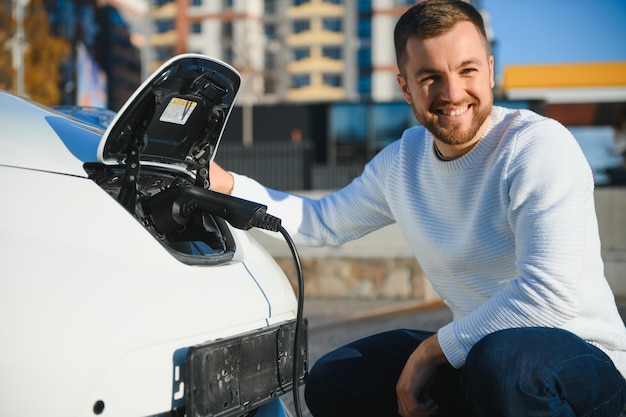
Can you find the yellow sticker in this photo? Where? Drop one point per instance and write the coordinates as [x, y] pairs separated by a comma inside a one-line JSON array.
[[178, 111]]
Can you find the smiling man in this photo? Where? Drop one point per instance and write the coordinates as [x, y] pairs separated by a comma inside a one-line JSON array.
[[447, 80], [497, 205]]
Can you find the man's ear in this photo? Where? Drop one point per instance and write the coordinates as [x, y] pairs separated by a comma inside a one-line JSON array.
[[404, 87], [492, 77]]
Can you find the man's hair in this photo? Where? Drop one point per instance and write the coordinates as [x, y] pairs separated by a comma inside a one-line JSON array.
[[432, 18]]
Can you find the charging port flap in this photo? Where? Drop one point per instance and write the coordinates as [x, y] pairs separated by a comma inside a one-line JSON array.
[[177, 116]]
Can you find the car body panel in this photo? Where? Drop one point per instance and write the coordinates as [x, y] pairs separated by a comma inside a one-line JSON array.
[[34, 137], [93, 306], [91, 322]]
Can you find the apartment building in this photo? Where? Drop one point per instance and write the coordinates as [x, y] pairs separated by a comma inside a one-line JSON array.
[[288, 50]]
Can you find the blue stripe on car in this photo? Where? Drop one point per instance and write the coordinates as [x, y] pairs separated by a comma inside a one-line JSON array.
[[78, 138]]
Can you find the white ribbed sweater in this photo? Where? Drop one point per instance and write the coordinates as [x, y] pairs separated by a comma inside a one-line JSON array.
[[507, 234]]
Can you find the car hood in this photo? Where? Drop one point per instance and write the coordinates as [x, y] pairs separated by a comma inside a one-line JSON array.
[[176, 117], [39, 138]]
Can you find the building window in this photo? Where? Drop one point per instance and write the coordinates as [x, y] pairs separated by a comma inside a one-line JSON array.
[[332, 52], [300, 80], [270, 32], [365, 84], [270, 85], [301, 25], [271, 60], [301, 53], [333, 1], [332, 24], [300, 2], [229, 55], [228, 4], [365, 27], [364, 58], [163, 25], [227, 30], [334, 80], [269, 6], [196, 27], [196, 2], [365, 6]]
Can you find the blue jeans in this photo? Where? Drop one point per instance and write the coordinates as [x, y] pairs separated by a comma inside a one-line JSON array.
[[526, 372]]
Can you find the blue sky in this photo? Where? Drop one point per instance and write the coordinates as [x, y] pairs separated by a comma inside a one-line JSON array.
[[557, 31]]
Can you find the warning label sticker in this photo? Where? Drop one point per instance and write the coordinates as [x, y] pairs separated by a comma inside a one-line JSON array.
[[178, 111]]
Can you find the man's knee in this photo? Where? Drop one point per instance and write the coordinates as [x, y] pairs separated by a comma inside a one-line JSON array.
[[325, 381], [359, 379], [512, 361], [538, 369]]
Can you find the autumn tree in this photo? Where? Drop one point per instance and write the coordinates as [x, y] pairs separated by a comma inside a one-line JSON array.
[[7, 29], [44, 55]]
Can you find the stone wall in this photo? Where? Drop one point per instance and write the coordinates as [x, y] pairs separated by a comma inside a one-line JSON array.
[[611, 211], [361, 278]]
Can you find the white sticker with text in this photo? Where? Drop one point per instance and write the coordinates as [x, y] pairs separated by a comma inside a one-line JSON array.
[[178, 111]]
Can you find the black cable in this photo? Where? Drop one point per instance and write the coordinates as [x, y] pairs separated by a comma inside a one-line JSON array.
[[297, 346]]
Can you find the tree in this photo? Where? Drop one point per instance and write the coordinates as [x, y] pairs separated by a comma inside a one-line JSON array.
[[42, 59], [7, 29], [44, 55]]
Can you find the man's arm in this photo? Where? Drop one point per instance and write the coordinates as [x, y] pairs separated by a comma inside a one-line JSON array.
[[418, 373], [221, 180], [333, 219]]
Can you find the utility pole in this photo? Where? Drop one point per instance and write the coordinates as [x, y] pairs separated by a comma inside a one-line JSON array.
[[18, 46]]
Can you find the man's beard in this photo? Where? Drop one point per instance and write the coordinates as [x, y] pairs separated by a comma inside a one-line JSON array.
[[453, 135]]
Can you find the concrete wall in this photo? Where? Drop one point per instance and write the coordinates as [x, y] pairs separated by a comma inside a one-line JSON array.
[[381, 265], [611, 211]]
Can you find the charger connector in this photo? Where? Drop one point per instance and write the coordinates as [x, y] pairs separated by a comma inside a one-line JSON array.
[[170, 209]]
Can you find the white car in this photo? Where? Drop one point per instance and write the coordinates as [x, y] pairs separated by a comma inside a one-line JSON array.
[[127, 288]]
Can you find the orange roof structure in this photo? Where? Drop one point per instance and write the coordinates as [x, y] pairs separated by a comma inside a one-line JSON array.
[[566, 83]]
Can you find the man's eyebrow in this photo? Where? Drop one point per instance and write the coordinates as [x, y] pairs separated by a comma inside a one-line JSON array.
[[426, 71], [470, 62], [430, 71]]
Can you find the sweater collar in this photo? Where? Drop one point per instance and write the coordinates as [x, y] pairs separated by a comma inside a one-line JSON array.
[[475, 155]]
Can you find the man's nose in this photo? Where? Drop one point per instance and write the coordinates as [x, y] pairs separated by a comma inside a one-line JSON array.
[[452, 89]]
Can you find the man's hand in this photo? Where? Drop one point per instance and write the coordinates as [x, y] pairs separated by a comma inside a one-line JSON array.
[[418, 373], [221, 180]]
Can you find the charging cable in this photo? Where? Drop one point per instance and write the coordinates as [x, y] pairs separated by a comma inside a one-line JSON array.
[[298, 345]]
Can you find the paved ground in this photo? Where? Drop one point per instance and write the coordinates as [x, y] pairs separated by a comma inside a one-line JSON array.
[[325, 312]]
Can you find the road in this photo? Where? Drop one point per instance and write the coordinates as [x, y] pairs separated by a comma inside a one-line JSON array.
[[326, 334]]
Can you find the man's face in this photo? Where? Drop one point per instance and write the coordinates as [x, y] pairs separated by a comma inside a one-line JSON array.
[[447, 81]]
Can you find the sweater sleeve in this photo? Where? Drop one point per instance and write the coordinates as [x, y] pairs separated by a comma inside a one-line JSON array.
[[549, 186], [335, 218]]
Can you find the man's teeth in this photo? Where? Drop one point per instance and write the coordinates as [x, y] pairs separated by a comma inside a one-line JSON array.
[[455, 112]]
